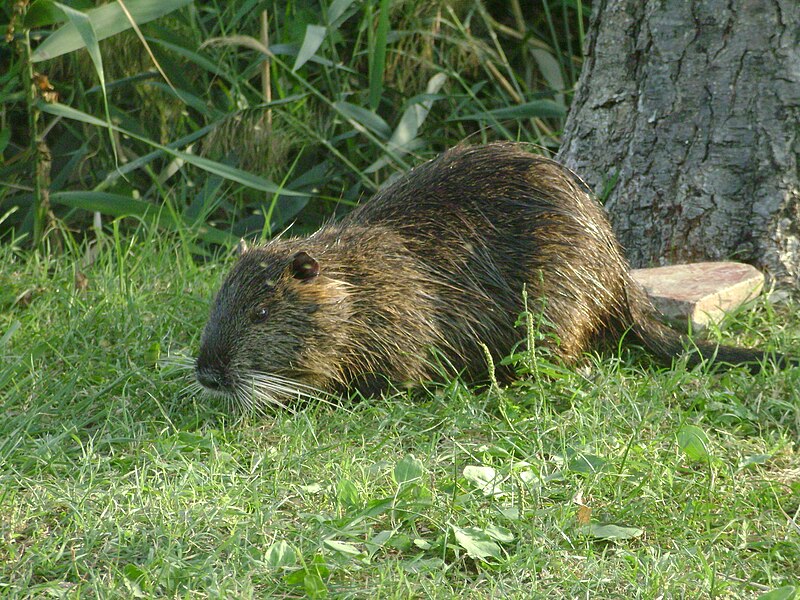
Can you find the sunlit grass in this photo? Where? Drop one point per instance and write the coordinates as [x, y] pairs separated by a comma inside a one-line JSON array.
[[115, 482]]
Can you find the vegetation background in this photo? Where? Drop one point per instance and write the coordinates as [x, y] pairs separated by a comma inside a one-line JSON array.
[[139, 141]]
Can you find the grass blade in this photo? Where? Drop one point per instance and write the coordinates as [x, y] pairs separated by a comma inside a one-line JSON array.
[[535, 108], [378, 56], [83, 25], [315, 35], [228, 172], [106, 20], [364, 117], [117, 205]]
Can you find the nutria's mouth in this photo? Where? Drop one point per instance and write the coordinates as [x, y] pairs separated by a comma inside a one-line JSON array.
[[256, 391]]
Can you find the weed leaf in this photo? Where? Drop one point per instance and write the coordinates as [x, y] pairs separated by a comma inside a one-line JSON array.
[[499, 534], [787, 592], [613, 532], [336, 10], [343, 547], [485, 479], [694, 442], [347, 494], [315, 34], [364, 117], [408, 470], [477, 543], [281, 554], [106, 20], [586, 463]]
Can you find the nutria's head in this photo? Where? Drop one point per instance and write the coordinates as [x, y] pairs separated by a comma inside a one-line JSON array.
[[272, 332]]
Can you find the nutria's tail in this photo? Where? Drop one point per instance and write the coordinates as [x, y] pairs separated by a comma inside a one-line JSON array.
[[666, 343]]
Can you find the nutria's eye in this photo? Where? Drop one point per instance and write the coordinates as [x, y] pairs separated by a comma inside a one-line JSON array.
[[259, 315]]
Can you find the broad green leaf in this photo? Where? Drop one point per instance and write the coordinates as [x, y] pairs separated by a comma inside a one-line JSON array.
[[476, 542], [499, 534], [377, 541], [755, 459], [404, 137], [408, 470], [153, 354], [787, 592], [83, 25], [315, 568], [9, 332], [414, 116], [343, 547], [510, 512], [314, 586], [107, 203], [43, 13], [62, 110], [613, 532], [135, 575], [535, 108], [106, 20], [313, 583], [377, 507], [485, 479], [694, 442], [315, 34], [586, 463], [281, 554], [133, 572]]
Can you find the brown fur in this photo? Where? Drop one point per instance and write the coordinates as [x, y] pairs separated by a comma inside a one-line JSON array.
[[438, 259]]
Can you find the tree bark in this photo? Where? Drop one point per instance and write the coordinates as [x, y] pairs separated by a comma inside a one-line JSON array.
[[690, 113]]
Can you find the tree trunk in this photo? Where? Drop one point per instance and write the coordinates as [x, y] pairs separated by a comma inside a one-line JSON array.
[[690, 113]]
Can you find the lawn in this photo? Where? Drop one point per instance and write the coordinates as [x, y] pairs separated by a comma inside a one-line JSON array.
[[619, 479]]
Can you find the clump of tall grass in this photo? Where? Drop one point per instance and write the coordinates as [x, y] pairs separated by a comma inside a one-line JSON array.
[[222, 120]]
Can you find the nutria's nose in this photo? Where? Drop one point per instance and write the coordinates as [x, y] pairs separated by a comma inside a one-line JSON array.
[[211, 376], [211, 380]]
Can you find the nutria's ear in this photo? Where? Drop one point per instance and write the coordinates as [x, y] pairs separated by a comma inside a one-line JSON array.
[[304, 267]]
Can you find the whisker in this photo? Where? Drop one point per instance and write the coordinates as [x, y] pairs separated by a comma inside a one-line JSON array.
[[192, 388], [289, 387], [266, 395], [180, 362], [253, 393]]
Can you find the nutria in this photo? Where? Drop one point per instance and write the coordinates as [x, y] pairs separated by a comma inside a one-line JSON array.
[[436, 260]]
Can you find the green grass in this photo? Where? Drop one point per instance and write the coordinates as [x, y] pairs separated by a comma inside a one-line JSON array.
[[115, 483], [353, 93]]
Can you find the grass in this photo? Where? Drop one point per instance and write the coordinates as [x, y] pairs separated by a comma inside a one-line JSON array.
[[117, 484], [350, 94]]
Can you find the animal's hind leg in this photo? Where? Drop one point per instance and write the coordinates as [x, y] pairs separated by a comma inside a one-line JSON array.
[[560, 327]]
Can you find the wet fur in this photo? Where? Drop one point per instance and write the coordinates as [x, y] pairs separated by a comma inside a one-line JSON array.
[[438, 259]]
